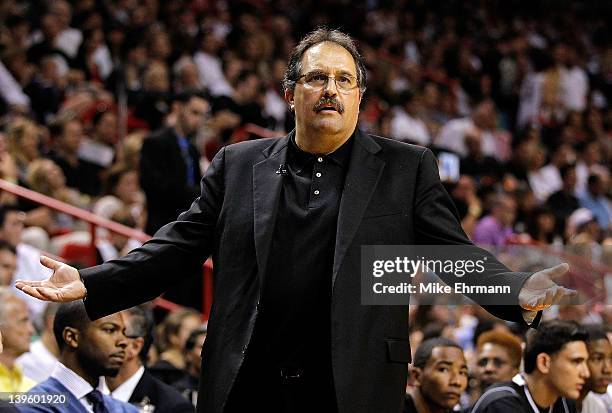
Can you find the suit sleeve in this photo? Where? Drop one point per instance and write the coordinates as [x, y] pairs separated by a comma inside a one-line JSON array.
[[177, 250], [437, 223]]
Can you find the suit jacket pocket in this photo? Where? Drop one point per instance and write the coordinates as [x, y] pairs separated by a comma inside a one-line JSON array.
[[381, 212], [398, 350]]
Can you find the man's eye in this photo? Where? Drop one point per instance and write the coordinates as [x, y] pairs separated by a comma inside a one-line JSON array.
[[319, 77], [344, 80]]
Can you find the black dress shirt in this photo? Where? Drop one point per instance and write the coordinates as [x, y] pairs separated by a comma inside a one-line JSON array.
[[292, 340]]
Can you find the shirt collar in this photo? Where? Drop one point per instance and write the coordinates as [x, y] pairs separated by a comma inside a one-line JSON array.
[[72, 381], [300, 158], [125, 390]]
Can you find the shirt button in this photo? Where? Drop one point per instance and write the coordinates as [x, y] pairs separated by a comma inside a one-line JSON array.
[[318, 174], [320, 159], [316, 192]]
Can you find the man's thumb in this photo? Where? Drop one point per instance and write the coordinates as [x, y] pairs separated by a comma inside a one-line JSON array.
[[50, 263]]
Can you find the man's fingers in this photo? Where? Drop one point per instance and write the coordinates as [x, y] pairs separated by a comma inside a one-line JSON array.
[[19, 284], [557, 270], [33, 291], [50, 263], [548, 299], [564, 293]]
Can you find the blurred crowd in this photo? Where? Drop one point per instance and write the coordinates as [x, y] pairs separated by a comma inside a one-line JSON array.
[[118, 106]]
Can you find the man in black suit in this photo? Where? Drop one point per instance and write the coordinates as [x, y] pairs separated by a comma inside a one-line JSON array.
[[284, 220], [134, 384], [169, 163]]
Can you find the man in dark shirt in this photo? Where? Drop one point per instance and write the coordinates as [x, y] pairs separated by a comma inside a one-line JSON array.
[[564, 201], [284, 220], [439, 377], [555, 363]]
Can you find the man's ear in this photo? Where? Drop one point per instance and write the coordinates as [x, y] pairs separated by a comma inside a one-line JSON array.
[[135, 347], [543, 361], [71, 337], [415, 375], [289, 99]]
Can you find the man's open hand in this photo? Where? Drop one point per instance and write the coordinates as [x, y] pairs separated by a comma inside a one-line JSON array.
[[63, 285], [540, 291]]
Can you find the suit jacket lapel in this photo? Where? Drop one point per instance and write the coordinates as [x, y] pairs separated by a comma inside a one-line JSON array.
[[361, 179], [267, 184]]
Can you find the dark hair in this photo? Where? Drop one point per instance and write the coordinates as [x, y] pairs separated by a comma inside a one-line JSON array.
[[114, 176], [187, 95], [423, 352], [549, 338], [5, 246], [193, 337], [320, 35], [596, 332], [141, 325], [70, 314], [5, 209], [565, 169]]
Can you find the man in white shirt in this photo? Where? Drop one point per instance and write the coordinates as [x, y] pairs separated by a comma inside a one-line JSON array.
[[88, 350], [39, 362], [28, 258], [406, 126]]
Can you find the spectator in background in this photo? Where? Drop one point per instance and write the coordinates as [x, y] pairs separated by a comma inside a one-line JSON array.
[[45, 89], [16, 329], [174, 332], [555, 364], [541, 226], [80, 174], [590, 162], [482, 122], [563, 202], [8, 263], [600, 368], [495, 228], [188, 385], [114, 245], [467, 202], [596, 201], [152, 102], [38, 363], [439, 376], [169, 171], [485, 169], [122, 191], [28, 258], [22, 141], [547, 179], [68, 39], [498, 358], [88, 350], [134, 384], [406, 125], [5, 407], [210, 66], [99, 150]]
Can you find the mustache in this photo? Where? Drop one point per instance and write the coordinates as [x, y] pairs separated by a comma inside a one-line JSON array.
[[326, 101]]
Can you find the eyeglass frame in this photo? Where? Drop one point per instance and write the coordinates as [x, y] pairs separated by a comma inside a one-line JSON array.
[[338, 88]]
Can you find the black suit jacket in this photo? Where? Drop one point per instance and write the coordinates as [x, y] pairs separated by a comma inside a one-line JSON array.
[[163, 176], [392, 195], [159, 394]]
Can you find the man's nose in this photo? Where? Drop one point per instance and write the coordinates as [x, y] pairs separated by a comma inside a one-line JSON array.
[[585, 371], [455, 380], [607, 366], [331, 89]]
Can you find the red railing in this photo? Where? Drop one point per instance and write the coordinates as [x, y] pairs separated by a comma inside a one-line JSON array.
[[94, 222]]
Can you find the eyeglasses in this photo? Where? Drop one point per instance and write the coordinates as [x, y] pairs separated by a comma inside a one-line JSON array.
[[319, 80]]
